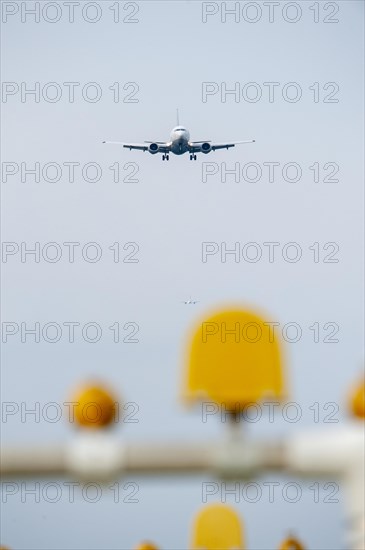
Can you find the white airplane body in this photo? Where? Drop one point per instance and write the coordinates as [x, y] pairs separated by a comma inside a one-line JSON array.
[[178, 144]]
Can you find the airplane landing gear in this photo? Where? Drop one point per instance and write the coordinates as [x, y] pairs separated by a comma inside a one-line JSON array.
[[192, 157], [165, 157]]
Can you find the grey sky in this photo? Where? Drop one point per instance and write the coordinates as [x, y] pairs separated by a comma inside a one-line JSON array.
[[169, 213]]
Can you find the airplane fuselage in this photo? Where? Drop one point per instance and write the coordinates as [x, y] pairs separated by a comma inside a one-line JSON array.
[[179, 140]]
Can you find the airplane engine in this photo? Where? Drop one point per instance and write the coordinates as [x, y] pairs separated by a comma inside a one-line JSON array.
[[153, 148], [206, 148]]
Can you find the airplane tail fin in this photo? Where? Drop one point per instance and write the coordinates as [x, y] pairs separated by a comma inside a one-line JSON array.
[[177, 117]]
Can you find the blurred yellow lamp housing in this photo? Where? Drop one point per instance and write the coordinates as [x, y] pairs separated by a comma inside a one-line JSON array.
[[96, 406], [217, 527], [235, 359], [146, 546], [357, 401], [291, 544]]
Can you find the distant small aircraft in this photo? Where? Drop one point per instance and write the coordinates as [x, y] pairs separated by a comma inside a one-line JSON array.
[[179, 144], [190, 301]]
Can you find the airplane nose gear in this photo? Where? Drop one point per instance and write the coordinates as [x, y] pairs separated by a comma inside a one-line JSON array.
[[165, 157], [192, 157]]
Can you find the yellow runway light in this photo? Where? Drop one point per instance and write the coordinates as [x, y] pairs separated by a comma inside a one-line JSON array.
[[217, 527], [146, 546], [357, 401], [96, 406], [291, 544], [235, 359]]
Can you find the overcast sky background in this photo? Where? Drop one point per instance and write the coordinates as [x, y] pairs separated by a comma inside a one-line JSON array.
[[169, 212]]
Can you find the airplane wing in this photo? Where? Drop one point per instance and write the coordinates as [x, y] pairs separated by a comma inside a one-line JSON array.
[[208, 146], [216, 146], [160, 146], [138, 146]]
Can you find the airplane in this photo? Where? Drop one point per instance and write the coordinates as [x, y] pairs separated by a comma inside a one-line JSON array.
[[179, 144], [190, 301]]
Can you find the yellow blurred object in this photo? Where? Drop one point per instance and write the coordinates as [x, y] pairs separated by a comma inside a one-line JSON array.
[[96, 406], [234, 360], [358, 401], [217, 527], [291, 544], [4, 548], [146, 546]]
